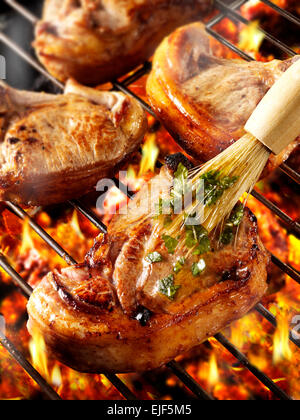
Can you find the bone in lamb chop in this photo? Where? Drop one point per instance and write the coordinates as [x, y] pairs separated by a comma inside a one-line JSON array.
[[136, 302], [57, 147], [96, 41], [214, 96]]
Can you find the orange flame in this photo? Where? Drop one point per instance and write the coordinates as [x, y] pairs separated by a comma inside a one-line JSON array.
[[37, 349], [27, 241], [213, 374], [150, 153], [282, 350]]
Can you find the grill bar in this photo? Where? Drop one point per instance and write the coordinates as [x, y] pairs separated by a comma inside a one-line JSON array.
[[15, 47], [290, 271], [22, 11], [89, 214], [293, 226], [282, 12], [121, 387], [271, 318], [256, 372], [146, 68], [220, 38], [123, 87], [47, 390], [188, 381], [41, 232], [18, 280], [290, 172], [268, 36]]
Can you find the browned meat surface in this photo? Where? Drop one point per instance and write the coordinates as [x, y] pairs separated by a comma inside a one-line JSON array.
[[93, 316], [57, 147], [97, 41], [205, 101]]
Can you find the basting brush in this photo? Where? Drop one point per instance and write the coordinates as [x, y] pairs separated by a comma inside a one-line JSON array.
[[274, 124]]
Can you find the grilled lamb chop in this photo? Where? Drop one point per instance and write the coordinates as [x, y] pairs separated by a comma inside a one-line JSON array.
[[57, 147], [95, 41], [110, 313], [205, 101]]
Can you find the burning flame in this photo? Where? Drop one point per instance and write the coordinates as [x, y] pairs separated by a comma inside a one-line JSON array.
[[282, 350], [40, 361], [294, 254], [75, 225], [56, 376], [251, 37], [213, 374], [37, 349], [150, 153], [27, 241]]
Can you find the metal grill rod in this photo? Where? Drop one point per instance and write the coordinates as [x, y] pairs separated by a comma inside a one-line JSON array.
[[290, 172], [271, 318], [289, 270], [18, 211], [89, 214], [15, 47], [209, 28], [292, 225], [282, 12], [256, 372], [188, 381], [22, 11], [33, 373], [18, 280], [268, 36]]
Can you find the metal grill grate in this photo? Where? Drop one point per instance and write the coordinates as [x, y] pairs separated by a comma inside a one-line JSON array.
[[224, 12]]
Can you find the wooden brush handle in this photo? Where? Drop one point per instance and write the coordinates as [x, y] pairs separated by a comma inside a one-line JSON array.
[[276, 120]]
